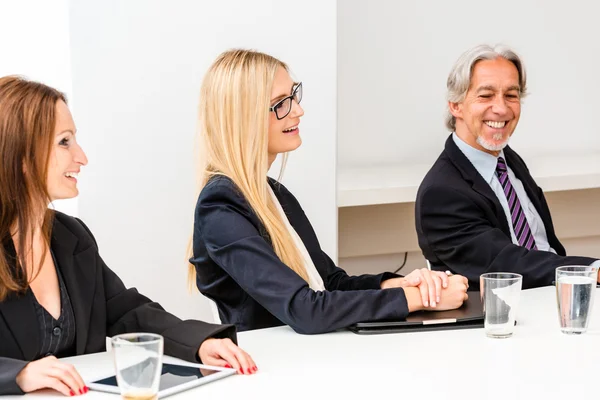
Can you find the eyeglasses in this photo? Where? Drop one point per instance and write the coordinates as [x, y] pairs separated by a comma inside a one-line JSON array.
[[284, 106]]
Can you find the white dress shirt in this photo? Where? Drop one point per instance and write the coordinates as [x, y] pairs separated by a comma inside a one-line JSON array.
[[485, 164]]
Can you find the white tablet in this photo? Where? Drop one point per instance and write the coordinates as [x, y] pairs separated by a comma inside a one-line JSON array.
[[174, 378]]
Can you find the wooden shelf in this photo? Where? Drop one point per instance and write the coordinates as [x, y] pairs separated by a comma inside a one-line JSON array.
[[387, 184]]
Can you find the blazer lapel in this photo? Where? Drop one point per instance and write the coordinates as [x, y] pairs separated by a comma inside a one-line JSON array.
[[470, 174], [19, 312], [79, 279], [531, 188], [520, 169]]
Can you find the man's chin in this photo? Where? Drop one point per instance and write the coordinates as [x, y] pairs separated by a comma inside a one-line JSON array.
[[492, 145]]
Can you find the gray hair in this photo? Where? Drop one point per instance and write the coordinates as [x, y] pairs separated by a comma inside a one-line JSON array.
[[459, 79]]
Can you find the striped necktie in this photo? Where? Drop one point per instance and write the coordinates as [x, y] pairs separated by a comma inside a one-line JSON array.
[[519, 221]]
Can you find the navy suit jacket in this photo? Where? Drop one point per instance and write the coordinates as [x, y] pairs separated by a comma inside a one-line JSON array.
[[238, 269], [462, 227], [102, 305]]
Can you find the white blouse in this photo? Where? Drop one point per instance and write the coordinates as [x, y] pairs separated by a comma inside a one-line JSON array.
[[315, 282]]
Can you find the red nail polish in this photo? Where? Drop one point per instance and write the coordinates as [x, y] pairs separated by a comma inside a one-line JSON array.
[[87, 389], [241, 370], [249, 370], [81, 391], [227, 366], [72, 393], [255, 368]]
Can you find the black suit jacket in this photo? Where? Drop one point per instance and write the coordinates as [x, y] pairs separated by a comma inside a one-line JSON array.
[[462, 227], [238, 269], [101, 304]]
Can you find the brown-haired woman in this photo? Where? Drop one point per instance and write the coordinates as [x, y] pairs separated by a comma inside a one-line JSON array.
[[57, 297]]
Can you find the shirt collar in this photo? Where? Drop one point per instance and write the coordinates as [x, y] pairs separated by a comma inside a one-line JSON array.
[[483, 162]]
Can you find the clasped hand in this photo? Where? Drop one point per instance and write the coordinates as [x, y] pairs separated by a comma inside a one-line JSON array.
[[438, 291]]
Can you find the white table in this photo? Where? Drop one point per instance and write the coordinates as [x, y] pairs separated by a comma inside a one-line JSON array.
[[538, 362]]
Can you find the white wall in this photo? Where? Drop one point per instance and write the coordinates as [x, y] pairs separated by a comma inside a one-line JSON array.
[[395, 56], [35, 43], [137, 68]]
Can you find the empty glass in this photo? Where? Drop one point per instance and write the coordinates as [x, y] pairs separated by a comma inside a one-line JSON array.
[[575, 290], [138, 364], [500, 292]]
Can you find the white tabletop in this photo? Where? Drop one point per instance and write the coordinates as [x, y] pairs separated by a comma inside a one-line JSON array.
[[538, 362]]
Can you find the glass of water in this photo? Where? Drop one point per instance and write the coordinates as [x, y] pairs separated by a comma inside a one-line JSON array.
[[500, 292], [138, 364], [575, 290]]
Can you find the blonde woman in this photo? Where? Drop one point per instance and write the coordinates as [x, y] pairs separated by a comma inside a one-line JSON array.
[[254, 251]]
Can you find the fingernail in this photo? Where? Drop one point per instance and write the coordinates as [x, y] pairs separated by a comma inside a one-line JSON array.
[[255, 368], [227, 366], [72, 393], [81, 391], [87, 389], [438, 299], [433, 304], [426, 304], [241, 370], [249, 370]]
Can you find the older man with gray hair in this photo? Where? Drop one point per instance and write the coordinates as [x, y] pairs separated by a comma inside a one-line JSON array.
[[478, 209]]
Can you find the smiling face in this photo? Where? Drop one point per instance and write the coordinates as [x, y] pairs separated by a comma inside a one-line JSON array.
[[284, 134], [490, 112], [66, 157]]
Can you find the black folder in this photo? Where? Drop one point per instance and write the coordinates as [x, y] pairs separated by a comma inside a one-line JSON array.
[[470, 315]]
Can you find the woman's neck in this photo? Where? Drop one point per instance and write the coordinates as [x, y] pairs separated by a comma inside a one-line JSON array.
[[31, 250], [271, 159], [38, 222]]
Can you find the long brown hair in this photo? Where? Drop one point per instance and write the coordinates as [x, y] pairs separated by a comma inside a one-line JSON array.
[[27, 124]]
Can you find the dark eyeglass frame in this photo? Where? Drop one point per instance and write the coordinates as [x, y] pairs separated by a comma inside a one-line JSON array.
[[296, 95]]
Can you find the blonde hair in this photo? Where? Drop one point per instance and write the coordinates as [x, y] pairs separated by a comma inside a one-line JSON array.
[[233, 130]]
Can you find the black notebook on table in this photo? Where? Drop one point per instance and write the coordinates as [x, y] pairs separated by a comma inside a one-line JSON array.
[[470, 315]]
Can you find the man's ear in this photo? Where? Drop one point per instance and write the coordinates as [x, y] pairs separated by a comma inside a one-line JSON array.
[[455, 109]]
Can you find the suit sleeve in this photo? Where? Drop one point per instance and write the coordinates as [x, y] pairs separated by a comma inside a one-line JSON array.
[[129, 311], [9, 369], [338, 279], [235, 244], [463, 239]]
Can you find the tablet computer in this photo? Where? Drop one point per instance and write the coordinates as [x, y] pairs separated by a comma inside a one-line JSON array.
[[470, 315], [174, 378]]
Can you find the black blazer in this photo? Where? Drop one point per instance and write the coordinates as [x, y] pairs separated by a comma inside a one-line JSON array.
[[238, 269], [462, 227], [101, 304]]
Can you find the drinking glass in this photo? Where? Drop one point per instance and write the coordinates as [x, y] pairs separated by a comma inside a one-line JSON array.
[[500, 292], [138, 364], [575, 291]]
